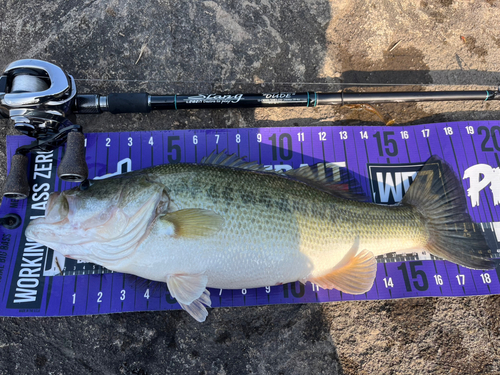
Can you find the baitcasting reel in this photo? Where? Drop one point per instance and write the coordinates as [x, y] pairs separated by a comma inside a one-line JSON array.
[[38, 97], [41, 100]]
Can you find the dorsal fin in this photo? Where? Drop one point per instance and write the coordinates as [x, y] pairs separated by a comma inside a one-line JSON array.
[[323, 173], [233, 161], [326, 177]]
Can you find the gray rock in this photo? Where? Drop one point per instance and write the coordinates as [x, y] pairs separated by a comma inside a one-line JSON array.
[[166, 46]]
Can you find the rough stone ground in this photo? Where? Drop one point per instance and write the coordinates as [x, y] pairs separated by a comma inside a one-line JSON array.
[[259, 45]]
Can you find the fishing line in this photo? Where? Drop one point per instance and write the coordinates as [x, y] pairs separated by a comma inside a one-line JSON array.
[[270, 82]]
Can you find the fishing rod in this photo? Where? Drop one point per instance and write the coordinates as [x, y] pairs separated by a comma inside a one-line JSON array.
[[42, 101]]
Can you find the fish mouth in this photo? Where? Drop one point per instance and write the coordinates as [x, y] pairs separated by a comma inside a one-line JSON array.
[[49, 229], [41, 232]]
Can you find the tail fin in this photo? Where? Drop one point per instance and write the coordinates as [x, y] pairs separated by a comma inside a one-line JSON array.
[[438, 195]]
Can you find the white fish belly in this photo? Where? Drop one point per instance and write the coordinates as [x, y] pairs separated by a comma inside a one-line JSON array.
[[230, 262], [243, 258]]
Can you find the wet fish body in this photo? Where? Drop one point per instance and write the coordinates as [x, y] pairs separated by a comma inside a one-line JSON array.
[[229, 224]]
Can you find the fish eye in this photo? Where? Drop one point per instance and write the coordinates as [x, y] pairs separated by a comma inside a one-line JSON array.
[[86, 184]]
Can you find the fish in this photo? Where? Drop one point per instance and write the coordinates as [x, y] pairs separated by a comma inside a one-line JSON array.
[[231, 224]]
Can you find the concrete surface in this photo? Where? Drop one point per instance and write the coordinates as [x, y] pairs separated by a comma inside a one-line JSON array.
[[257, 45]]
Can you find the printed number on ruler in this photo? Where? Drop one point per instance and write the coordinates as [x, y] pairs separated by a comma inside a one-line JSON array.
[[418, 276], [491, 140], [284, 146], [386, 143]]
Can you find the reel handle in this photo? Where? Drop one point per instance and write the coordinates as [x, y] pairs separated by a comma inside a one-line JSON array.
[[16, 185], [73, 166]]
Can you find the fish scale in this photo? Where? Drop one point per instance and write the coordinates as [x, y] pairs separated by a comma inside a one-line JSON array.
[[286, 218]]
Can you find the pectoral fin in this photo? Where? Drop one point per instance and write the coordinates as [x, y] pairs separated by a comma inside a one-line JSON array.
[[194, 222], [355, 274], [191, 293]]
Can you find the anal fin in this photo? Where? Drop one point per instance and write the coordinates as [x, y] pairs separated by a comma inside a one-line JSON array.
[[355, 274]]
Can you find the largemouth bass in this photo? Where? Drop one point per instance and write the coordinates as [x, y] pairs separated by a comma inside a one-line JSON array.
[[229, 224]]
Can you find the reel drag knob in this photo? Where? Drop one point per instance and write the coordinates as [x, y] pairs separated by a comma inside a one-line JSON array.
[[73, 166], [16, 185]]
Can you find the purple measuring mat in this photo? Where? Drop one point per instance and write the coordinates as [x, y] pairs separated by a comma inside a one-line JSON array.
[[382, 160]]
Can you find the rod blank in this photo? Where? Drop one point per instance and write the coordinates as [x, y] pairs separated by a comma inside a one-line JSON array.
[[143, 102]]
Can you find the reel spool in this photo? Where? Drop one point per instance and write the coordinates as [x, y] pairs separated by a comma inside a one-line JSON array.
[[38, 96], [28, 83]]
